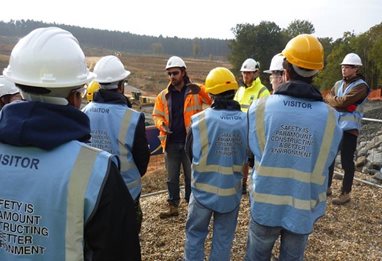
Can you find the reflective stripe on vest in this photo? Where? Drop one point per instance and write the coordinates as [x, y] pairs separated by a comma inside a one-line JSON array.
[[78, 183], [128, 168], [290, 201]]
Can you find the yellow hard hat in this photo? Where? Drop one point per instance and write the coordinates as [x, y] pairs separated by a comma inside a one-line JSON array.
[[92, 88], [305, 51], [220, 80]]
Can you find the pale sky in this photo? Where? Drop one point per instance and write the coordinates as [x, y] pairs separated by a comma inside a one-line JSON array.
[[198, 18]]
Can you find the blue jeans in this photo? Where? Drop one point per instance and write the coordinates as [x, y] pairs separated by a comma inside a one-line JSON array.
[[224, 226], [175, 156], [262, 238]]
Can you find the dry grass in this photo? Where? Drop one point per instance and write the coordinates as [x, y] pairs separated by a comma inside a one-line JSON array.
[[349, 232], [148, 74]]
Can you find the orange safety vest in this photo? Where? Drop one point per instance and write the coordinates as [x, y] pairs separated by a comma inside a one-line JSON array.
[[195, 97]]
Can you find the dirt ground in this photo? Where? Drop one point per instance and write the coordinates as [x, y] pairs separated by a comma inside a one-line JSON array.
[[349, 232]]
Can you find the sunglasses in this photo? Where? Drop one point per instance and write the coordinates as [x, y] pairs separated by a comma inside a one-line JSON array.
[[175, 73]]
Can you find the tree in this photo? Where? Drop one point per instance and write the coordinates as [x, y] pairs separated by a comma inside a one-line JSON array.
[[196, 47], [260, 42], [332, 70], [297, 27]]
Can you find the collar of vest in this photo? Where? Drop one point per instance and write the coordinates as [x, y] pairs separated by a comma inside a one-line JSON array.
[[107, 96], [300, 89]]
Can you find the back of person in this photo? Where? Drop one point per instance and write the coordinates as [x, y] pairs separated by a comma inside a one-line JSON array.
[[112, 126], [40, 215], [296, 128], [60, 199], [215, 132]]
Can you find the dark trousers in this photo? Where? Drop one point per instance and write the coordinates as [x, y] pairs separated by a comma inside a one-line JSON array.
[[175, 157], [347, 147]]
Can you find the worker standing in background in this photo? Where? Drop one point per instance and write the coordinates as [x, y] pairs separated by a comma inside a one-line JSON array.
[[251, 89], [172, 113], [348, 96], [294, 136], [118, 129], [73, 195], [8, 92], [276, 71], [217, 146]]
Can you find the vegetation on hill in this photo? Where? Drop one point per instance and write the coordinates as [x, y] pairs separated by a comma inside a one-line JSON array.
[[260, 42], [127, 42]]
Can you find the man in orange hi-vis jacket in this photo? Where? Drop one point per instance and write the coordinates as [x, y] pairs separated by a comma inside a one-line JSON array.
[[172, 113]]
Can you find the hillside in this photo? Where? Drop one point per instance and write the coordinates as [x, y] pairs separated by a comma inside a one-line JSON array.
[[147, 71]]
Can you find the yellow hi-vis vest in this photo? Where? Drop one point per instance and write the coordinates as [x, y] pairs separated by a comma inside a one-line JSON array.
[[246, 95]]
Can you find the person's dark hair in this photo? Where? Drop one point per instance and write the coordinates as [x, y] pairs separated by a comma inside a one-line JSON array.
[[186, 79], [227, 95], [294, 75], [33, 90]]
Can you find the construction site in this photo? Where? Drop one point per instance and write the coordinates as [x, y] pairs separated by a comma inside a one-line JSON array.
[[349, 232]]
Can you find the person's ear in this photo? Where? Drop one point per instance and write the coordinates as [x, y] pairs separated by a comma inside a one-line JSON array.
[[75, 99]]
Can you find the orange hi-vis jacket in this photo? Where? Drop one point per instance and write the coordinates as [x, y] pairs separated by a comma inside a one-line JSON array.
[[195, 97]]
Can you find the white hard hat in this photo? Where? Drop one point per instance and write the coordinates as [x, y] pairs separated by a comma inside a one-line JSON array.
[[110, 69], [175, 61], [48, 57], [250, 65], [276, 63], [7, 87], [352, 59]]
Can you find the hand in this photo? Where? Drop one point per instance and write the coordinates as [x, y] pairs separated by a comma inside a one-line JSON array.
[[166, 128]]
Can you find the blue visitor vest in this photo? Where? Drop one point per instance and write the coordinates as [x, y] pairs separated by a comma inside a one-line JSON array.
[[46, 197], [113, 129], [219, 153], [350, 120], [294, 141]]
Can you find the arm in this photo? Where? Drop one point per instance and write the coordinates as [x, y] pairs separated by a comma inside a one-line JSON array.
[[188, 145], [206, 99], [158, 112], [354, 97], [141, 152], [112, 234]]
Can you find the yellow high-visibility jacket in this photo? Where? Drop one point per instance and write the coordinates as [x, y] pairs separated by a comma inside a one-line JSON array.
[[246, 95]]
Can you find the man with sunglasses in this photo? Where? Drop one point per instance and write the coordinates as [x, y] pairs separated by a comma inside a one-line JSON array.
[[118, 129], [347, 97], [251, 89], [172, 113], [73, 195]]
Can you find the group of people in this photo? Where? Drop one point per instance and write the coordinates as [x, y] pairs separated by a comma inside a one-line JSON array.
[[70, 182]]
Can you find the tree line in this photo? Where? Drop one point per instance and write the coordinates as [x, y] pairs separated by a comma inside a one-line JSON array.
[[127, 42], [266, 39], [260, 42]]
